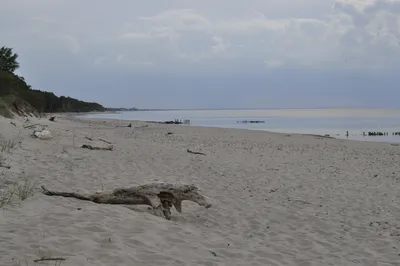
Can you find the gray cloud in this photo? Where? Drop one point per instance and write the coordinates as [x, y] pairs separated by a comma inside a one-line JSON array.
[[194, 48], [383, 5]]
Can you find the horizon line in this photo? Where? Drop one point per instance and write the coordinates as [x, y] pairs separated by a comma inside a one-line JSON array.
[[262, 108]]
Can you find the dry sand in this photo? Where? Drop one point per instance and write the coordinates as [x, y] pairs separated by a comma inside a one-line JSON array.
[[278, 199]]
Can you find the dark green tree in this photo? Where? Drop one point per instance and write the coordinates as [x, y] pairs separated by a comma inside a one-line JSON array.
[[8, 60]]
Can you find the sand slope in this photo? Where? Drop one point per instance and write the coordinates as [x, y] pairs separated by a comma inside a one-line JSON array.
[[278, 199]]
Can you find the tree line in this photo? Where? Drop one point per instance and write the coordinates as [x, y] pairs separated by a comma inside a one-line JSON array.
[[19, 96]]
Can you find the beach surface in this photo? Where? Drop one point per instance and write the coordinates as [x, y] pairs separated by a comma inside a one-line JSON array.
[[278, 199]]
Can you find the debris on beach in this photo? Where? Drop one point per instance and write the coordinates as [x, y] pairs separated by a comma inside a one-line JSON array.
[[160, 196], [93, 147], [130, 125], [91, 139], [195, 152], [99, 144], [43, 134], [31, 125], [42, 259]]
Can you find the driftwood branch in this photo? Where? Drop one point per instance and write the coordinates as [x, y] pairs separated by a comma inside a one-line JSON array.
[[90, 147], [30, 126], [49, 259], [195, 152], [99, 139], [160, 196], [130, 125], [105, 141]]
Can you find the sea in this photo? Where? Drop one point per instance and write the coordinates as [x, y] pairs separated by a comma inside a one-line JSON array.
[[339, 123]]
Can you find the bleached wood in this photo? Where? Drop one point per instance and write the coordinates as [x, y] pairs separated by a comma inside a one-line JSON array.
[[160, 196]]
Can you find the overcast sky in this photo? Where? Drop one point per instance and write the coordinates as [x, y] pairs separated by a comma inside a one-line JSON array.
[[209, 54]]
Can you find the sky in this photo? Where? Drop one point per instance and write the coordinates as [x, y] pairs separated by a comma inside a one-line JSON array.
[[209, 54]]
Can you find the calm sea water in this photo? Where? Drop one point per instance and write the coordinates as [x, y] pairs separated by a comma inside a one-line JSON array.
[[334, 122]]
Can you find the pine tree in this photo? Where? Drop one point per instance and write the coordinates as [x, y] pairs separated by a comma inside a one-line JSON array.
[[8, 60]]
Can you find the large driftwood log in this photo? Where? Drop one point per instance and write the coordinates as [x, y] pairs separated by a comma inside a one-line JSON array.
[[160, 196]]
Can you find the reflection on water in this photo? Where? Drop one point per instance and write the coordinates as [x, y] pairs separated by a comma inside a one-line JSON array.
[[334, 122]]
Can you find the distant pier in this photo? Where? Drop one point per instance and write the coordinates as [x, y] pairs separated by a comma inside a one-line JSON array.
[[179, 122], [251, 121], [374, 134]]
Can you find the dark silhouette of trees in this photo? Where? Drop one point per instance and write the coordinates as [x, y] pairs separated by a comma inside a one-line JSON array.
[[18, 96], [8, 60]]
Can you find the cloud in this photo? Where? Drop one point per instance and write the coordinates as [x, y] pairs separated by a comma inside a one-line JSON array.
[[372, 38], [273, 63], [353, 30], [177, 41], [99, 61], [70, 43], [391, 6], [314, 42], [136, 36], [43, 20]]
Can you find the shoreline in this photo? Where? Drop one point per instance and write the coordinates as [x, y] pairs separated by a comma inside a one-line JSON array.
[[254, 109], [81, 114], [395, 143]]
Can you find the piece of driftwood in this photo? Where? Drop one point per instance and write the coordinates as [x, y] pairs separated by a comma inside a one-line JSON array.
[[130, 125], [99, 139], [105, 141], [91, 147], [195, 152], [33, 125], [48, 259], [160, 196], [12, 123]]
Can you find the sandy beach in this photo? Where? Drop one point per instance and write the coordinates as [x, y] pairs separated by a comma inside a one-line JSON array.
[[278, 199]]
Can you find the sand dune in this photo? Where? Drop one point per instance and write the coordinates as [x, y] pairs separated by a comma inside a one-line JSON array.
[[278, 199]]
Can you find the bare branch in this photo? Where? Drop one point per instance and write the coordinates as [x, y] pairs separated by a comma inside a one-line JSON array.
[[49, 259], [195, 152]]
